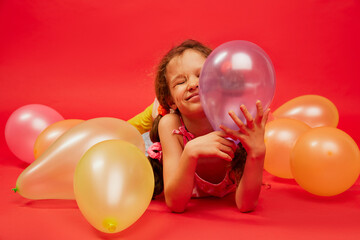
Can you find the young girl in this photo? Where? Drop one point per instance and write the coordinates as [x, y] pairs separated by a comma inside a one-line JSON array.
[[189, 158]]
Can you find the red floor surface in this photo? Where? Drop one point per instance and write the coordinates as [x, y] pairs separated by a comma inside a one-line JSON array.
[[89, 59], [285, 211]]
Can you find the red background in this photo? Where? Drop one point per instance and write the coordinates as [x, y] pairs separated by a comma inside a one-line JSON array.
[[90, 59]]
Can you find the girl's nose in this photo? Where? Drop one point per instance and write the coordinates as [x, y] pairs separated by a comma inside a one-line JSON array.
[[193, 82]]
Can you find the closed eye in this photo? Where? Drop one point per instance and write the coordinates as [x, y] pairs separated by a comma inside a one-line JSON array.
[[179, 80]]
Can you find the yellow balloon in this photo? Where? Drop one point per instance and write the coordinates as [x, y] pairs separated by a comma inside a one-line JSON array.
[[280, 137], [113, 185], [51, 175], [314, 110], [325, 161], [51, 133]]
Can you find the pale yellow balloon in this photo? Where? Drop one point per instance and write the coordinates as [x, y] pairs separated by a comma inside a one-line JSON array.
[[314, 110], [280, 137], [51, 175], [113, 185]]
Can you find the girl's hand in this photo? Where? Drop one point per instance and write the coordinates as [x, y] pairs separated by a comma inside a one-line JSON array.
[[250, 135], [213, 144]]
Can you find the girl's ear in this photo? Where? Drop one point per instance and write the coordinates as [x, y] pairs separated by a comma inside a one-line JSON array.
[[172, 104]]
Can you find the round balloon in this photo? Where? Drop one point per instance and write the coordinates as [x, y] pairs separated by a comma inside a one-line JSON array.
[[24, 126], [280, 137], [325, 161], [235, 73], [51, 133], [314, 110], [113, 185]]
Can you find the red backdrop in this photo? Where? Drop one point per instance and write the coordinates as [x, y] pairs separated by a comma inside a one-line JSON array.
[[90, 59]]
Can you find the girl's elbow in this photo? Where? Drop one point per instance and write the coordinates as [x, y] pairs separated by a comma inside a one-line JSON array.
[[246, 207], [175, 206]]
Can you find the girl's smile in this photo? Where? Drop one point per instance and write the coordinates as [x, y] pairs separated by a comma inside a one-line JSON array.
[[193, 97]]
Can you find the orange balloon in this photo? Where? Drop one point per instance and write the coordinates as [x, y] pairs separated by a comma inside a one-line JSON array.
[[280, 137], [113, 185], [314, 110], [51, 133], [51, 175], [325, 161]]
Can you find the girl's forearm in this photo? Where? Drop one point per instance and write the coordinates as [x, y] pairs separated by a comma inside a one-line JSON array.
[[178, 191], [248, 190]]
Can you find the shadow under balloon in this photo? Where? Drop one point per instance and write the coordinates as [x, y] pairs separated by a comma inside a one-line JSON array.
[[51, 204], [275, 180], [146, 223], [349, 196], [291, 188]]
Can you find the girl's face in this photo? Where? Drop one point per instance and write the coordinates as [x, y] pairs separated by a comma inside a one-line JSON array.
[[182, 76]]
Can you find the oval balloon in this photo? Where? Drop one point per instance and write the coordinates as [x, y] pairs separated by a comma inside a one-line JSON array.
[[314, 110], [113, 185], [325, 161], [51, 133], [280, 138], [51, 175], [235, 73], [24, 126]]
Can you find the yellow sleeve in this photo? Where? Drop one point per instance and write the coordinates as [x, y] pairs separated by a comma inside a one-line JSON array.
[[143, 121]]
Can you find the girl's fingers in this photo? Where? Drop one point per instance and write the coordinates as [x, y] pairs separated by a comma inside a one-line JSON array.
[[224, 156], [260, 112], [238, 122], [265, 117], [228, 150], [225, 141], [248, 117], [232, 134]]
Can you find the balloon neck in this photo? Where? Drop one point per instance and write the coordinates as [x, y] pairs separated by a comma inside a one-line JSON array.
[[235, 141], [110, 225], [15, 189]]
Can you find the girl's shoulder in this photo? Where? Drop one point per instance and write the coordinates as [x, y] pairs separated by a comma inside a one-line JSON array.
[[170, 122], [167, 125]]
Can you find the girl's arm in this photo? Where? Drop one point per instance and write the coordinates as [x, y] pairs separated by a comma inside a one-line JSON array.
[[179, 164], [178, 167], [251, 137]]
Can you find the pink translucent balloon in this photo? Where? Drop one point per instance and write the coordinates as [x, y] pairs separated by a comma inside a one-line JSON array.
[[235, 73], [24, 126]]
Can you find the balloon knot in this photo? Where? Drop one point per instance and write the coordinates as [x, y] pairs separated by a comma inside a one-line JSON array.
[[110, 225], [266, 185]]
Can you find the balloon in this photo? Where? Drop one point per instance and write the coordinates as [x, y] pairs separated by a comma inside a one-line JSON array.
[[24, 126], [113, 185], [235, 73], [280, 137], [325, 161], [314, 110], [51, 175], [51, 133]]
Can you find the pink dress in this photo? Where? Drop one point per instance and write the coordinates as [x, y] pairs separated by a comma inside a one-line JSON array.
[[203, 188]]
